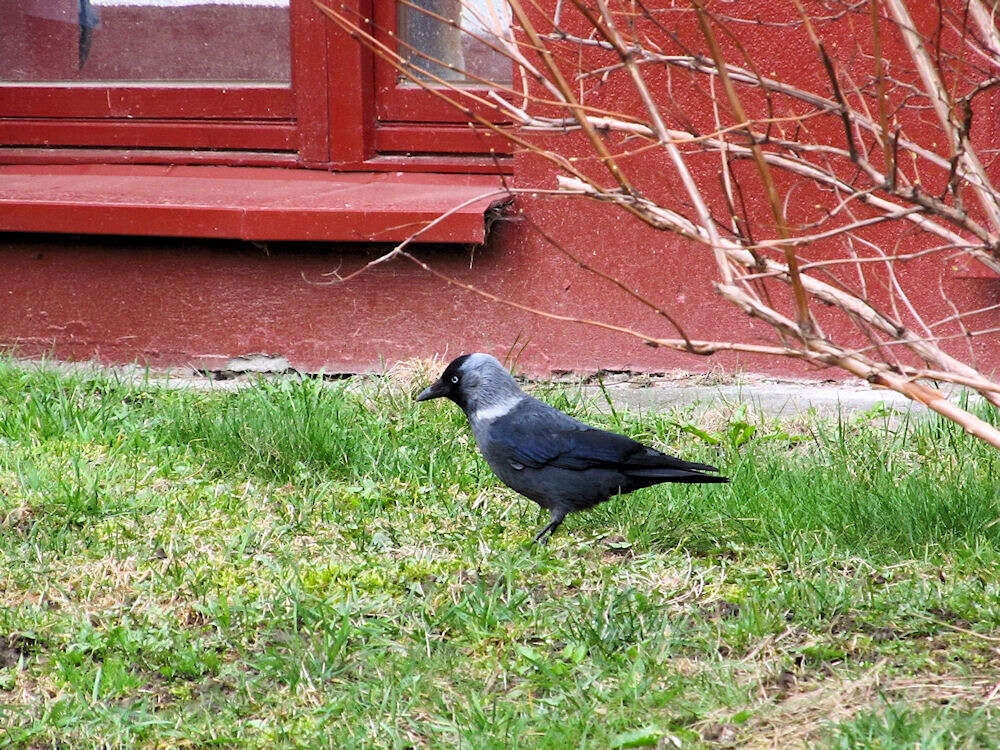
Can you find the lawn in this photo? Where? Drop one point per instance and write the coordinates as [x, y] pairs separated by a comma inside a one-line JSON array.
[[312, 564]]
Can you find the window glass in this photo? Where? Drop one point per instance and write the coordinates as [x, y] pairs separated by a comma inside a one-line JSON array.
[[144, 41], [461, 52]]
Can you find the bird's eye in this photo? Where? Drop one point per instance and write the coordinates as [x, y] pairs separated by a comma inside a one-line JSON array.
[[454, 378]]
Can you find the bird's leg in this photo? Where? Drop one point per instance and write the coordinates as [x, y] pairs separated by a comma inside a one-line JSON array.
[[557, 517]]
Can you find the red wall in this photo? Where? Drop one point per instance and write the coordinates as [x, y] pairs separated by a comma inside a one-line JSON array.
[[190, 302]]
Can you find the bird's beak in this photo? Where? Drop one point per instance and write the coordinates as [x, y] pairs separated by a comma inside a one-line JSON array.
[[437, 389]]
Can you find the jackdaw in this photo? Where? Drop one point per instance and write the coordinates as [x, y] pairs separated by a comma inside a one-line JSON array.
[[562, 464]]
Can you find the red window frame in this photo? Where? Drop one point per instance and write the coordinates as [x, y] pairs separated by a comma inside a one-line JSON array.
[[343, 110], [412, 119]]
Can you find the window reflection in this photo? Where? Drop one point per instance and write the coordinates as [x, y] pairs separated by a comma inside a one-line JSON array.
[[458, 51], [144, 40]]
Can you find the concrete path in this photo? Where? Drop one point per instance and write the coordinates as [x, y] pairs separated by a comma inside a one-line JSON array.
[[774, 398], [769, 396]]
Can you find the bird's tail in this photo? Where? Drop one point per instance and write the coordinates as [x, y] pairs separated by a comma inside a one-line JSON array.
[[676, 470], [655, 476]]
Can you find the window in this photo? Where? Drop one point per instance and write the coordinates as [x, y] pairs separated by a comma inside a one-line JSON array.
[[157, 74], [445, 51], [94, 41], [256, 82]]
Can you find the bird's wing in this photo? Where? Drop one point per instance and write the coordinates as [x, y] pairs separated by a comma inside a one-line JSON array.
[[538, 437]]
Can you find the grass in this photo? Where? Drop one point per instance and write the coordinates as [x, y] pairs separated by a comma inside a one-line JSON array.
[[305, 564]]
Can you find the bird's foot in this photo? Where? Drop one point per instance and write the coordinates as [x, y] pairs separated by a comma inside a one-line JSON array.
[[545, 534], [542, 537]]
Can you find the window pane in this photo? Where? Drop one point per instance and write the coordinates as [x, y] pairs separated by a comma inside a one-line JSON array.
[[144, 40], [456, 51]]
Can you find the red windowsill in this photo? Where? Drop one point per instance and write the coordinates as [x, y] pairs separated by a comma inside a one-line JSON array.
[[249, 203]]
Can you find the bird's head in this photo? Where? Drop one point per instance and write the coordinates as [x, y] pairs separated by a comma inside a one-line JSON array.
[[473, 381]]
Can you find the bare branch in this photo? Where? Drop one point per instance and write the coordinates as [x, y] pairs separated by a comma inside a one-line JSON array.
[[859, 196]]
